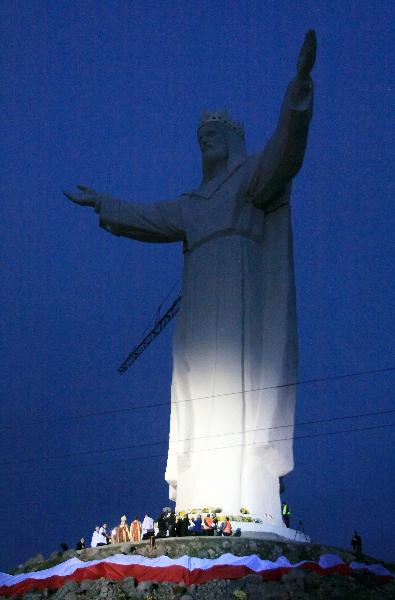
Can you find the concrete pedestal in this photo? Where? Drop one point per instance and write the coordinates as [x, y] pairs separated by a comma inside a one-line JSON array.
[[268, 530]]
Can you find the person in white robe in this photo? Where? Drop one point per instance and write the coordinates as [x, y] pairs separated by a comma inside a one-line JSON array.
[[95, 537], [235, 343], [147, 527]]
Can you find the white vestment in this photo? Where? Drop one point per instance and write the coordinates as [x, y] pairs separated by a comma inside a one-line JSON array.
[[147, 524], [95, 539], [235, 343], [101, 538]]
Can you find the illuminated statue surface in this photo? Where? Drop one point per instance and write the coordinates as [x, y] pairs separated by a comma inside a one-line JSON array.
[[235, 345]]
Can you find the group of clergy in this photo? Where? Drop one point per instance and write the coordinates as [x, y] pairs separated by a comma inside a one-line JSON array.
[[168, 524], [123, 533]]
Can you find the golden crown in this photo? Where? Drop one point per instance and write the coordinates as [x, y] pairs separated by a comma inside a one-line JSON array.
[[221, 116]]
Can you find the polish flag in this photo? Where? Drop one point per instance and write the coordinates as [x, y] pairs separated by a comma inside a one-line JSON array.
[[185, 569]]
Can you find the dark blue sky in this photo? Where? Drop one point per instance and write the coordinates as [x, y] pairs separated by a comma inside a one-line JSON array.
[[108, 94]]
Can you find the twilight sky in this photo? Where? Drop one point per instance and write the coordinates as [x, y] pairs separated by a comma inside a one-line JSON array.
[[108, 94]]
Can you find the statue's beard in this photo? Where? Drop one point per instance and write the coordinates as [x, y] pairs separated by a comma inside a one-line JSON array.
[[212, 156]]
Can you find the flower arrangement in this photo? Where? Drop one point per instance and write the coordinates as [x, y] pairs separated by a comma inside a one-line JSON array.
[[206, 509], [243, 517], [240, 595]]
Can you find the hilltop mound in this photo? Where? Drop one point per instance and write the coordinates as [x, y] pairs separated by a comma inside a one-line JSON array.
[[297, 584]]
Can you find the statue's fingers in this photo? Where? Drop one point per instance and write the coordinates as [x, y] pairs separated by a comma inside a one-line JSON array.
[[77, 200], [310, 34], [307, 54], [311, 42], [86, 190], [69, 195]]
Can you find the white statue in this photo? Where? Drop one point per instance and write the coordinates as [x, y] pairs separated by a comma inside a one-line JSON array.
[[235, 342]]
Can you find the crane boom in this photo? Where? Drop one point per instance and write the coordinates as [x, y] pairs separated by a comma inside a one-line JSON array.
[[146, 341]]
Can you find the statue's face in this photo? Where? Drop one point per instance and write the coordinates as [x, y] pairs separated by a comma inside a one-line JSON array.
[[212, 143]]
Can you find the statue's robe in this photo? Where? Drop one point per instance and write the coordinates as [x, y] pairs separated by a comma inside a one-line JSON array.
[[235, 346]]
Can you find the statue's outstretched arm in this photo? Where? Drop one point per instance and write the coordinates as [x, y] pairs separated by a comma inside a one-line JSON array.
[[87, 197], [284, 153], [157, 222]]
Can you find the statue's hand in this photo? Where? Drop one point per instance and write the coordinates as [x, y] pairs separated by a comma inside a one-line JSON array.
[[307, 54], [87, 198]]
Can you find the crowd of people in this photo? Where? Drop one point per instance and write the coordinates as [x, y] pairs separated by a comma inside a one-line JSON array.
[[168, 524]]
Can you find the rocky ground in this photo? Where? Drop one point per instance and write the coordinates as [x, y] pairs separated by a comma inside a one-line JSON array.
[[298, 584]]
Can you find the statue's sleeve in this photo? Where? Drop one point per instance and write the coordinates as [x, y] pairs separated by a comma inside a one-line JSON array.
[[156, 222], [283, 155]]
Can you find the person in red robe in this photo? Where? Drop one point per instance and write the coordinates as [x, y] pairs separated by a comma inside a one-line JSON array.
[[135, 530], [123, 531]]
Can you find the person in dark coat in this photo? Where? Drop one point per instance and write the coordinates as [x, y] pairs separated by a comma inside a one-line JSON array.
[[178, 526], [162, 525], [356, 543], [184, 527], [215, 524], [81, 544], [171, 524]]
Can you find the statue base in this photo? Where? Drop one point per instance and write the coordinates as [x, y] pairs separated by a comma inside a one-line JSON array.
[[256, 526], [267, 531]]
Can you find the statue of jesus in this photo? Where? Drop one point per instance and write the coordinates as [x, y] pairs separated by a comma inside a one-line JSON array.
[[235, 343]]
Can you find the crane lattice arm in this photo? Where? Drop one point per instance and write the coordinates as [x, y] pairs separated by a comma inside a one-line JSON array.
[[145, 342]]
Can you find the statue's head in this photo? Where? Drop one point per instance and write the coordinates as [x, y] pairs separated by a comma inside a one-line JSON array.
[[220, 138], [213, 144]]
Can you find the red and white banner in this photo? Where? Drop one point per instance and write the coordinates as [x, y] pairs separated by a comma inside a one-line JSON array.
[[186, 569]]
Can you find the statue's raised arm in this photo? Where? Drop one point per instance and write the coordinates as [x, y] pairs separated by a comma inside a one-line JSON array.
[[283, 155]]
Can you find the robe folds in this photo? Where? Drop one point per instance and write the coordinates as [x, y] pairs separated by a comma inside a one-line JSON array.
[[135, 531], [235, 343], [122, 533]]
